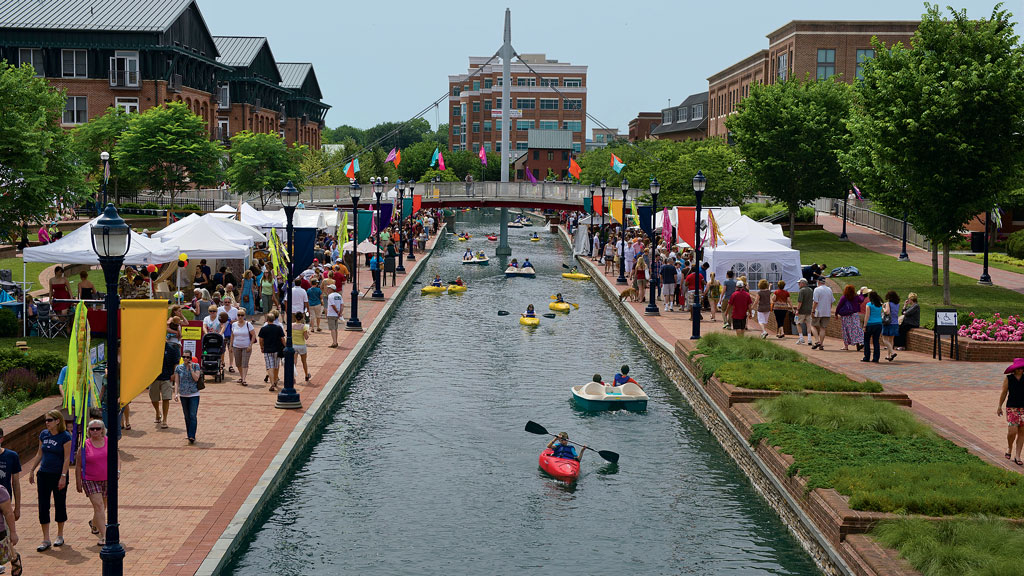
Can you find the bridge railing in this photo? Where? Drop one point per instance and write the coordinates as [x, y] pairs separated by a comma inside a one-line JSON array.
[[859, 212], [555, 192]]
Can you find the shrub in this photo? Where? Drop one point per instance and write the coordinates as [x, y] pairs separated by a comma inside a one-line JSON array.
[[17, 379], [9, 325], [958, 547], [843, 413], [789, 376], [192, 207], [1015, 244], [720, 348], [44, 363], [151, 206], [130, 205], [1009, 329]]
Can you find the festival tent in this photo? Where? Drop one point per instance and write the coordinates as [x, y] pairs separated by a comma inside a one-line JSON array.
[[756, 258], [365, 247], [745, 226], [233, 230], [76, 248], [301, 219], [250, 215], [201, 240], [173, 227]]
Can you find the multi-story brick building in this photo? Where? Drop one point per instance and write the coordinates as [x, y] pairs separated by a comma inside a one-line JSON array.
[[304, 109], [139, 55], [640, 127], [817, 49], [553, 98], [686, 121]]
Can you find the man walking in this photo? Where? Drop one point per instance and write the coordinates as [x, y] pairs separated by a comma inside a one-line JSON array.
[[161, 390], [822, 310], [334, 309], [740, 304], [729, 288], [10, 475], [805, 300], [668, 284]]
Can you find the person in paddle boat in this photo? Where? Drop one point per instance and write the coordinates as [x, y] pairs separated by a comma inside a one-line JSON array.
[[514, 264], [623, 377], [597, 378], [526, 263], [558, 298], [458, 281], [530, 312], [562, 449], [535, 235], [480, 255], [436, 281], [468, 255]]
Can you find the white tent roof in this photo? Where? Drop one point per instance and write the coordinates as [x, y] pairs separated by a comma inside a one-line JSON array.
[[233, 230], [251, 216], [750, 254], [172, 228], [76, 248], [301, 219], [745, 226], [203, 240]]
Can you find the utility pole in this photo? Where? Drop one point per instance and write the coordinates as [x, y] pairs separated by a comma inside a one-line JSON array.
[[505, 53]]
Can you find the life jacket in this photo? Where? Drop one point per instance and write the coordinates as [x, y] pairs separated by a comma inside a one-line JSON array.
[[564, 451]]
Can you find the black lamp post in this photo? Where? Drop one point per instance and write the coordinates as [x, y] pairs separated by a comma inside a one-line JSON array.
[[408, 234], [378, 189], [622, 226], [288, 397], [105, 157], [699, 182], [353, 321], [985, 279], [401, 225], [846, 200], [652, 304], [603, 184], [904, 257], [590, 226], [111, 239]]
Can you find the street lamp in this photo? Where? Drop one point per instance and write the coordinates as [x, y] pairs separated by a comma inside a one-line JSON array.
[[603, 184], [105, 157], [111, 239], [288, 397], [401, 223], [590, 226], [378, 189], [904, 257], [408, 235], [652, 304], [985, 279], [699, 182], [353, 321], [846, 200], [622, 227]]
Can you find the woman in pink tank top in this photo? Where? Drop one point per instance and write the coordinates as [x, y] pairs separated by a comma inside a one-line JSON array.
[[91, 474]]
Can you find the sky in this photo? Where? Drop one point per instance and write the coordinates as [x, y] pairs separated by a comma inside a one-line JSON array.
[[380, 61]]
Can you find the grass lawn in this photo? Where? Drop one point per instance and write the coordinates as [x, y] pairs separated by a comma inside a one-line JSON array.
[[33, 270], [1000, 261], [35, 343], [883, 273], [960, 547]]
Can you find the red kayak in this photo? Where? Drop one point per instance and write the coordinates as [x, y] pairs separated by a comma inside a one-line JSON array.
[[562, 469], [492, 238]]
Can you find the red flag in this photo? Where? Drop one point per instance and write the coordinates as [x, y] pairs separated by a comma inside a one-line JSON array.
[[398, 158], [574, 168], [350, 170], [598, 205], [417, 201]]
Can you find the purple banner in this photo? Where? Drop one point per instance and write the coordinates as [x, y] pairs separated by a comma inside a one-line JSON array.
[[386, 210]]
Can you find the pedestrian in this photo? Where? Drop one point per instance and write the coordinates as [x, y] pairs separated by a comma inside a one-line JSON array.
[[890, 323], [227, 313], [763, 306], [782, 308], [741, 305], [389, 264], [848, 311], [714, 295], [668, 284], [186, 390], [375, 266], [300, 331], [821, 310], [248, 292], [8, 534], [161, 390], [267, 288], [315, 297], [272, 340], [728, 289], [10, 476], [910, 319], [298, 300], [804, 304], [609, 256], [1013, 394], [243, 335], [641, 274], [53, 460], [335, 305], [872, 327], [91, 474]]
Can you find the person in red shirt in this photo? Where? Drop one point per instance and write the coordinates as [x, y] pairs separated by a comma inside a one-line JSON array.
[[340, 275], [741, 304], [694, 283]]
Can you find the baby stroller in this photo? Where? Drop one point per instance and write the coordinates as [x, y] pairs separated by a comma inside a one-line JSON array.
[[213, 350]]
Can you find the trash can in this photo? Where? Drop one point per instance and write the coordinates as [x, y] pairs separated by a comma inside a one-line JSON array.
[[977, 242]]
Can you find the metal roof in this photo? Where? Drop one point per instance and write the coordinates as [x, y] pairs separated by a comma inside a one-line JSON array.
[[690, 123], [238, 50], [105, 15], [293, 74], [549, 139]]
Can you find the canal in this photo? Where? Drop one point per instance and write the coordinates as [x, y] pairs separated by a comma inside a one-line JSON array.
[[423, 466]]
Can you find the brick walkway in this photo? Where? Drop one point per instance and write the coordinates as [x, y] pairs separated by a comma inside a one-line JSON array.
[[957, 398], [176, 499], [878, 242]]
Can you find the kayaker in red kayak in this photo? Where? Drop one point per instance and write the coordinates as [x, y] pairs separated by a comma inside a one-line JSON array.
[[563, 449]]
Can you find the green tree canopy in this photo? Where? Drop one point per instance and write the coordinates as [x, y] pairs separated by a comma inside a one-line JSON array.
[[262, 164], [167, 148], [39, 170], [101, 135], [790, 134]]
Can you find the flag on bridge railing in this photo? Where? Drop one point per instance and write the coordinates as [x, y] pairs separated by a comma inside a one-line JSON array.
[[529, 175], [574, 168], [391, 155], [440, 161], [617, 164], [352, 168], [433, 159], [483, 156]]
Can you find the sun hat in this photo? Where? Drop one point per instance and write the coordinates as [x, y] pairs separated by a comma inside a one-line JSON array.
[[864, 290], [740, 284], [802, 281], [1018, 364]]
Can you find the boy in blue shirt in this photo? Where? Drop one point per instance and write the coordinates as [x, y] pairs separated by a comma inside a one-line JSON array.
[[623, 377], [563, 449]]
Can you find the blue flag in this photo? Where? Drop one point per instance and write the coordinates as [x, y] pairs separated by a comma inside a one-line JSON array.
[[433, 159]]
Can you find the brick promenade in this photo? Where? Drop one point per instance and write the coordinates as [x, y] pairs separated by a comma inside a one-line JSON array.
[[176, 499]]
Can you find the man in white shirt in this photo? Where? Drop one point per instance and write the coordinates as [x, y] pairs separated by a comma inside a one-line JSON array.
[[335, 306], [299, 300], [595, 250], [821, 311]]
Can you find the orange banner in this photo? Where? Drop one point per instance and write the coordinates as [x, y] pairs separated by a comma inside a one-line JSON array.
[[417, 202], [598, 204], [616, 209], [144, 324], [686, 224]]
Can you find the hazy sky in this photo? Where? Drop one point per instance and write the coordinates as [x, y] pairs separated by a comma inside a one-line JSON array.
[[387, 60]]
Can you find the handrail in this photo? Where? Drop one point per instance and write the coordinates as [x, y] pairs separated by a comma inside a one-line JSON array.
[[858, 213]]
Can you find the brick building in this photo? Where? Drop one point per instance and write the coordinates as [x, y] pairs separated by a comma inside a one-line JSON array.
[[686, 121], [802, 48], [546, 150], [474, 102], [304, 109], [138, 55], [640, 127]]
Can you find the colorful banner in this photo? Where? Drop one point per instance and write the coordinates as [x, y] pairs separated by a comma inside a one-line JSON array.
[[343, 230], [79, 389], [599, 204], [386, 210], [302, 248], [142, 355], [644, 216], [417, 202], [686, 225], [407, 206], [616, 210], [365, 225], [588, 205]]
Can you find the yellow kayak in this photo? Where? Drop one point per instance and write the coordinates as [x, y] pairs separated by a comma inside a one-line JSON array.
[[452, 288], [575, 276], [463, 238], [534, 239], [433, 289], [560, 306], [529, 321]]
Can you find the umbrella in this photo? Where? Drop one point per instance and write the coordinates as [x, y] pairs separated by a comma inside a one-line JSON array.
[[365, 247]]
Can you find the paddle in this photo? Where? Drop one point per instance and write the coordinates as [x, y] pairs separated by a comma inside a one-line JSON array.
[[549, 315], [503, 312], [534, 428]]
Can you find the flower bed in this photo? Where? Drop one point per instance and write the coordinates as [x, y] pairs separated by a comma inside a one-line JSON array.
[[997, 329]]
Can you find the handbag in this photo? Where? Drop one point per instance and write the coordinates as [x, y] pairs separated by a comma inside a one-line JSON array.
[[886, 315], [201, 381]]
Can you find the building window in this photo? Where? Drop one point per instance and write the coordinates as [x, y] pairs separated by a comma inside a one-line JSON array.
[[524, 124], [598, 137], [565, 155], [487, 126], [551, 155], [572, 104], [124, 69], [862, 57], [549, 103], [73, 63], [826, 63], [476, 85], [130, 105], [223, 134], [476, 106], [573, 82], [497, 125], [456, 110], [476, 127], [75, 110], [33, 57], [666, 117], [548, 125], [549, 81], [526, 103], [456, 91], [783, 64], [456, 130], [574, 125], [536, 154], [526, 81], [476, 147], [681, 115], [488, 82], [487, 105], [698, 111], [497, 103], [487, 146], [224, 96], [522, 146], [577, 147]]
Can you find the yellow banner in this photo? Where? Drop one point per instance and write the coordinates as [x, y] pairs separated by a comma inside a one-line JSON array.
[[191, 332], [143, 333], [616, 208]]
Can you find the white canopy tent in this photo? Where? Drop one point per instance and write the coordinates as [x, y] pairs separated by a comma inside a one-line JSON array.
[[301, 219], [745, 226], [200, 240], [756, 258], [76, 248], [250, 215], [233, 230]]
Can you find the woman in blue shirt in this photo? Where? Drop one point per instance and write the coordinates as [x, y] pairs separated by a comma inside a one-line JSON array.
[[53, 460], [872, 327], [314, 294]]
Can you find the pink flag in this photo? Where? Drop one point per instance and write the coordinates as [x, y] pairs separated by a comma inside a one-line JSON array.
[[440, 160], [483, 156], [529, 175], [391, 155], [666, 227]]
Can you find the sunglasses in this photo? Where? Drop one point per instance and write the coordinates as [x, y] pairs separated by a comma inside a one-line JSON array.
[[95, 429], [49, 420]]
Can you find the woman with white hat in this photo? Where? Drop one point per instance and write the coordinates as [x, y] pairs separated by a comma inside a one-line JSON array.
[[1013, 394]]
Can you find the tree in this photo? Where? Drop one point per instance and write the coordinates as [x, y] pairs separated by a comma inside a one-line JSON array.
[[314, 167], [344, 132], [447, 175], [39, 171], [168, 148], [262, 164], [101, 135], [729, 181], [789, 133], [937, 129]]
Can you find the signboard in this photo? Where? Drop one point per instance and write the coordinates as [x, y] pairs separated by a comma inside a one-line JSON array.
[[512, 113], [189, 346], [946, 321], [191, 332]]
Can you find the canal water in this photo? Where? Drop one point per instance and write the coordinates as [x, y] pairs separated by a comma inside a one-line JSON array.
[[423, 466]]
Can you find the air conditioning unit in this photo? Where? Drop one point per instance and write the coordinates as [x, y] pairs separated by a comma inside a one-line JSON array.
[[174, 84]]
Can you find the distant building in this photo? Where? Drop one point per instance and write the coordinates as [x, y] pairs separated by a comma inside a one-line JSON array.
[[546, 150], [640, 127], [686, 121], [802, 48], [304, 110], [474, 103]]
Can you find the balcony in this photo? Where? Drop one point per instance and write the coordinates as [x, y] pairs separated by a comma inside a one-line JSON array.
[[124, 78]]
